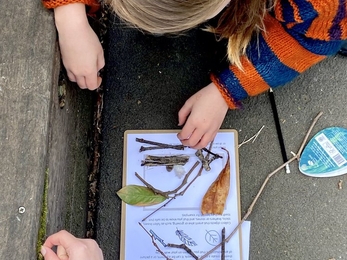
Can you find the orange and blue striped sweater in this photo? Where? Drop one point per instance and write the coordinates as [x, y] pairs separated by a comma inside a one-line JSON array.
[[93, 5], [299, 34]]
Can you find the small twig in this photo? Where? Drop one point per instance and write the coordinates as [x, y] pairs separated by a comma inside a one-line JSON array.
[[150, 148], [249, 211], [204, 162], [167, 193], [177, 189], [161, 145], [308, 134], [187, 249], [185, 180], [149, 186], [154, 243], [209, 152], [215, 156], [152, 160], [186, 188], [209, 148], [253, 138], [223, 244], [162, 206]]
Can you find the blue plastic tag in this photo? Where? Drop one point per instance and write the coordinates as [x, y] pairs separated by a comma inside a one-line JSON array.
[[326, 154]]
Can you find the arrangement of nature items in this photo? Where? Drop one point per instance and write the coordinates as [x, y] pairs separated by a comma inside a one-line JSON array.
[[178, 200]]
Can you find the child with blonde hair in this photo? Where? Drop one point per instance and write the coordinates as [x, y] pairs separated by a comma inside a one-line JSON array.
[[270, 42]]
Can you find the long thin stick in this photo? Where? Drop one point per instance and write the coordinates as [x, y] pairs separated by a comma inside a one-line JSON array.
[[154, 243], [308, 134], [181, 193], [161, 145], [249, 211], [223, 245]]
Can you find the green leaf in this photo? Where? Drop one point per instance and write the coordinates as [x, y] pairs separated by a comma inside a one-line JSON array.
[[139, 196]]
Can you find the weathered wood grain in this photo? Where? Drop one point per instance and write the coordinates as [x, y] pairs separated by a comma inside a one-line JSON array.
[[26, 65], [35, 134]]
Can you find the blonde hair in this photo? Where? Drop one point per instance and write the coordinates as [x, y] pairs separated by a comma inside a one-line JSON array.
[[238, 23]]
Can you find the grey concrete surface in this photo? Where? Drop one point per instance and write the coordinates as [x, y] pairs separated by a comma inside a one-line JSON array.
[[36, 135], [148, 79]]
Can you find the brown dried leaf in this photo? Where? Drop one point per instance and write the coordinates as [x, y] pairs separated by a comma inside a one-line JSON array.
[[216, 195]]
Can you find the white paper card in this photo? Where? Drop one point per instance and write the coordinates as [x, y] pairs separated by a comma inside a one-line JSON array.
[[180, 222]]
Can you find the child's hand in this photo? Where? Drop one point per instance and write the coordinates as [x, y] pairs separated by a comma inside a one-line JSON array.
[[70, 248], [80, 48], [206, 110]]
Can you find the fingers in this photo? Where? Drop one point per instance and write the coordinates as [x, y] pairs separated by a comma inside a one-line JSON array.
[[89, 81], [62, 238], [81, 81], [70, 247], [204, 141], [193, 139], [62, 254], [48, 253], [184, 113], [71, 76], [197, 139], [100, 61], [186, 133]]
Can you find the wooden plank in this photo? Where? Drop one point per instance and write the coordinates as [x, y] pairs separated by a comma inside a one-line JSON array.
[[27, 39]]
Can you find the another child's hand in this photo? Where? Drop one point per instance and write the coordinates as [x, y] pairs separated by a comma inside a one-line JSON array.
[[202, 115], [70, 248], [81, 51]]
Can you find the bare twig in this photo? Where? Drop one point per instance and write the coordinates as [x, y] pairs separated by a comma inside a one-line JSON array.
[[154, 243], [252, 138], [151, 148], [209, 152], [308, 134], [186, 188], [149, 186], [153, 160], [205, 160], [159, 145], [249, 211], [177, 189], [209, 148], [187, 249], [167, 193], [223, 244], [162, 206]]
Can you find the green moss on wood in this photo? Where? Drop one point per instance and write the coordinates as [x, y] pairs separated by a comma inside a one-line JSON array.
[[43, 219]]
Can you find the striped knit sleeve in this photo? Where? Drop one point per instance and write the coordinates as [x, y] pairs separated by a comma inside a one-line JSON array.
[[92, 4], [299, 34]]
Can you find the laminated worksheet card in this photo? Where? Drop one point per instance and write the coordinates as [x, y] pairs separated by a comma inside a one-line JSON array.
[[180, 221]]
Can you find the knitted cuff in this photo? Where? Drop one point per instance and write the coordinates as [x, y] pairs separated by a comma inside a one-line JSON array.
[[232, 104], [92, 4]]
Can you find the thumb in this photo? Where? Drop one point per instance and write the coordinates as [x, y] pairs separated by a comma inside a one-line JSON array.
[[99, 81], [48, 253], [184, 113]]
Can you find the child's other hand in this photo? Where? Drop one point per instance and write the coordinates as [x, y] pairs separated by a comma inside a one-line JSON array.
[[80, 48], [70, 248], [202, 115]]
